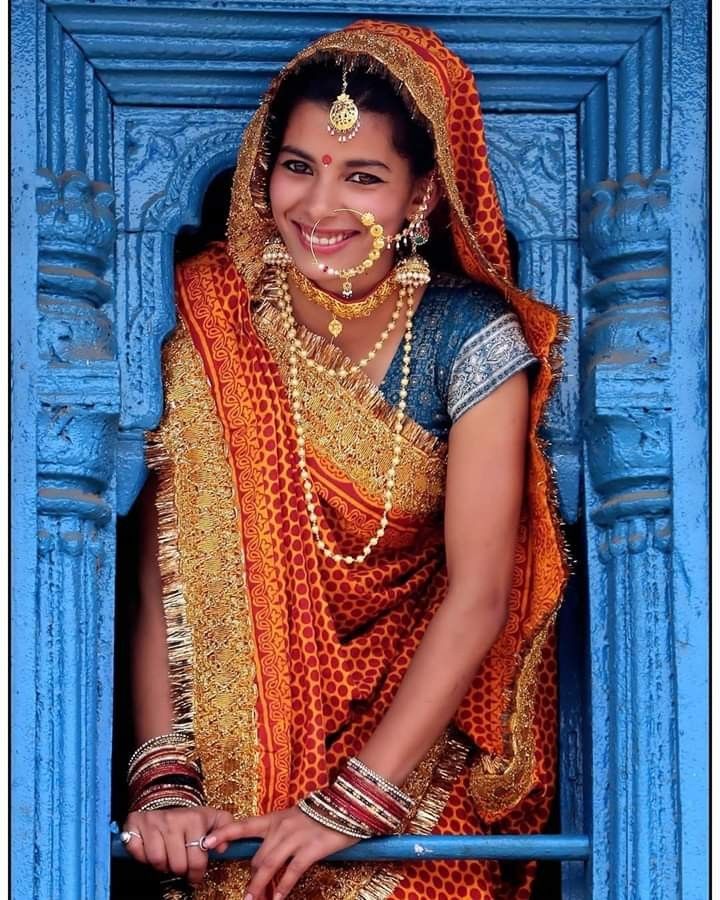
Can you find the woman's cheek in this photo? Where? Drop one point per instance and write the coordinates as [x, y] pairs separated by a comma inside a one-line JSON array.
[[275, 191], [285, 190]]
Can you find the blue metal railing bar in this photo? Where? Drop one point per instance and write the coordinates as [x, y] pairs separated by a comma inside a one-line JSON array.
[[404, 847]]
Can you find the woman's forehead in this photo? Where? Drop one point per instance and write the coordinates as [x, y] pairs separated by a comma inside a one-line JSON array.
[[307, 130]]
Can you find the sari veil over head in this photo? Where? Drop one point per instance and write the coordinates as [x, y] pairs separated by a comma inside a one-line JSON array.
[[283, 661]]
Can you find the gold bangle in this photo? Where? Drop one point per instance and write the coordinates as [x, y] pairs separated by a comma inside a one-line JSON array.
[[305, 807]]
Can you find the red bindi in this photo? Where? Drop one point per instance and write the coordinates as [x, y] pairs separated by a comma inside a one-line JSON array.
[[326, 160]]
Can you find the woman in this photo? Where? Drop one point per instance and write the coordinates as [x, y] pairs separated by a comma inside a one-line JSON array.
[[353, 559]]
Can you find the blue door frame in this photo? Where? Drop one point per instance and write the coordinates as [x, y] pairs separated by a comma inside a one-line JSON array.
[[114, 145]]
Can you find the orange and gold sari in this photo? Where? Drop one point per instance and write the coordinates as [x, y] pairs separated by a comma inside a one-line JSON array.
[[282, 661]]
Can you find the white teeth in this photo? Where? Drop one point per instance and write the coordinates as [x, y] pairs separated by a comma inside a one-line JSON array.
[[326, 241]]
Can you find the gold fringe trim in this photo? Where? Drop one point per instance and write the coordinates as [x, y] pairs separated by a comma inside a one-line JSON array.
[[453, 760], [497, 784], [381, 886], [179, 638], [209, 627]]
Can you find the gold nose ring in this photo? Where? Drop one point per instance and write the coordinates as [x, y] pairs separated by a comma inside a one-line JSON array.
[[377, 232]]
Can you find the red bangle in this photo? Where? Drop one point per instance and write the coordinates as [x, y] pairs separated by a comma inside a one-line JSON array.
[[158, 755], [355, 811], [366, 786], [157, 792], [151, 773]]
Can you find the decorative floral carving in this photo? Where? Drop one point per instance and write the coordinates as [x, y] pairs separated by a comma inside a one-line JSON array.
[[533, 173]]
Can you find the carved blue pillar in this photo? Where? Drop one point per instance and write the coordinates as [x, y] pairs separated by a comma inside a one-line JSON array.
[[66, 404], [78, 404], [626, 419]]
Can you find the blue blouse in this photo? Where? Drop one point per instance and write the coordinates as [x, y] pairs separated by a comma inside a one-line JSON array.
[[466, 342]]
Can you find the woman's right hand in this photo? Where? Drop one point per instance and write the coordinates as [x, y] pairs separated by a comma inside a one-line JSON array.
[[164, 834]]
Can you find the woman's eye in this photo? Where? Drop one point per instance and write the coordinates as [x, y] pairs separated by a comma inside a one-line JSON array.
[[364, 178], [297, 166]]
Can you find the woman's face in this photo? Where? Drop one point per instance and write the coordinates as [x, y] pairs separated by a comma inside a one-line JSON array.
[[315, 177]]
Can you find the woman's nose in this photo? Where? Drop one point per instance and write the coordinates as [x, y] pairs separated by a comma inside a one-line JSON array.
[[320, 200]]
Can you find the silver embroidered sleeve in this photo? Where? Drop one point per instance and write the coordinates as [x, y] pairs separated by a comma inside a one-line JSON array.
[[486, 360]]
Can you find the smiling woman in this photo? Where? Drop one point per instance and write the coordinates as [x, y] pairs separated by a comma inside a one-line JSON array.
[[352, 560]]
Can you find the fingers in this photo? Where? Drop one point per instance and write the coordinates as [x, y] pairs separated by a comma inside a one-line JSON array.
[[165, 835], [135, 846], [154, 845], [220, 820], [185, 853], [177, 852], [267, 862], [294, 871], [284, 847], [197, 859], [253, 826]]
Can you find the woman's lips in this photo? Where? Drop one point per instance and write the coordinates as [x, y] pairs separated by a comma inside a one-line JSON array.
[[324, 242]]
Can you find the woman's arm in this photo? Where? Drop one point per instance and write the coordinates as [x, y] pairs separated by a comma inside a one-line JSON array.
[[485, 480], [160, 837]]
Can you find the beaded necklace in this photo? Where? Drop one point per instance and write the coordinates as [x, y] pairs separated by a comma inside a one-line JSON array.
[[406, 296], [343, 371]]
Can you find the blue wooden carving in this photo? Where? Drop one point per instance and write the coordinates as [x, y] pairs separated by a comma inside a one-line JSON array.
[[64, 612], [534, 161], [123, 113], [627, 431]]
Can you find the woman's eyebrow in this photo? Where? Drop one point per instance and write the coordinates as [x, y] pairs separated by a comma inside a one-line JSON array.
[[366, 164], [288, 148]]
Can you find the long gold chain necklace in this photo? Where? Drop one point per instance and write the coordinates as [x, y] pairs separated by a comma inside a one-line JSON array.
[[340, 309], [406, 293]]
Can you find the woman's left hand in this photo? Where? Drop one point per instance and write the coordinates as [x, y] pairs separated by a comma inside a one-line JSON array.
[[290, 839]]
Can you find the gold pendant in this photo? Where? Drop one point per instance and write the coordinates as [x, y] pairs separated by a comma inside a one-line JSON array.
[[344, 117], [335, 327]]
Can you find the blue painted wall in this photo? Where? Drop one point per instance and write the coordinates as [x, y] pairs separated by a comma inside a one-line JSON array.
[[122, 115]]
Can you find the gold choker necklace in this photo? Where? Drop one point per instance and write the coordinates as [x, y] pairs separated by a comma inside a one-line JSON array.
[[340, 309], [353, 369]]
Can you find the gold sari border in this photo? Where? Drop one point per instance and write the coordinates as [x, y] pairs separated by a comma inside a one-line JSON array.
[[499, 784], [209, 646]]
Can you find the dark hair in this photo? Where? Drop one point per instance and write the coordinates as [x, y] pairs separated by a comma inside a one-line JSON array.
[[320, 81]]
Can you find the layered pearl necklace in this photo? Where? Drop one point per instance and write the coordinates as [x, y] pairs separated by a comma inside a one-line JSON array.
[[297, 351]]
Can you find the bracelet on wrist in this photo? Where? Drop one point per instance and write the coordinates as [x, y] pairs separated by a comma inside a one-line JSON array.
[[359, 803], [163, 772]]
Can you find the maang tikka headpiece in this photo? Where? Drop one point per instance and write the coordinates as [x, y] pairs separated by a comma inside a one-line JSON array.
[[344, 117]]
